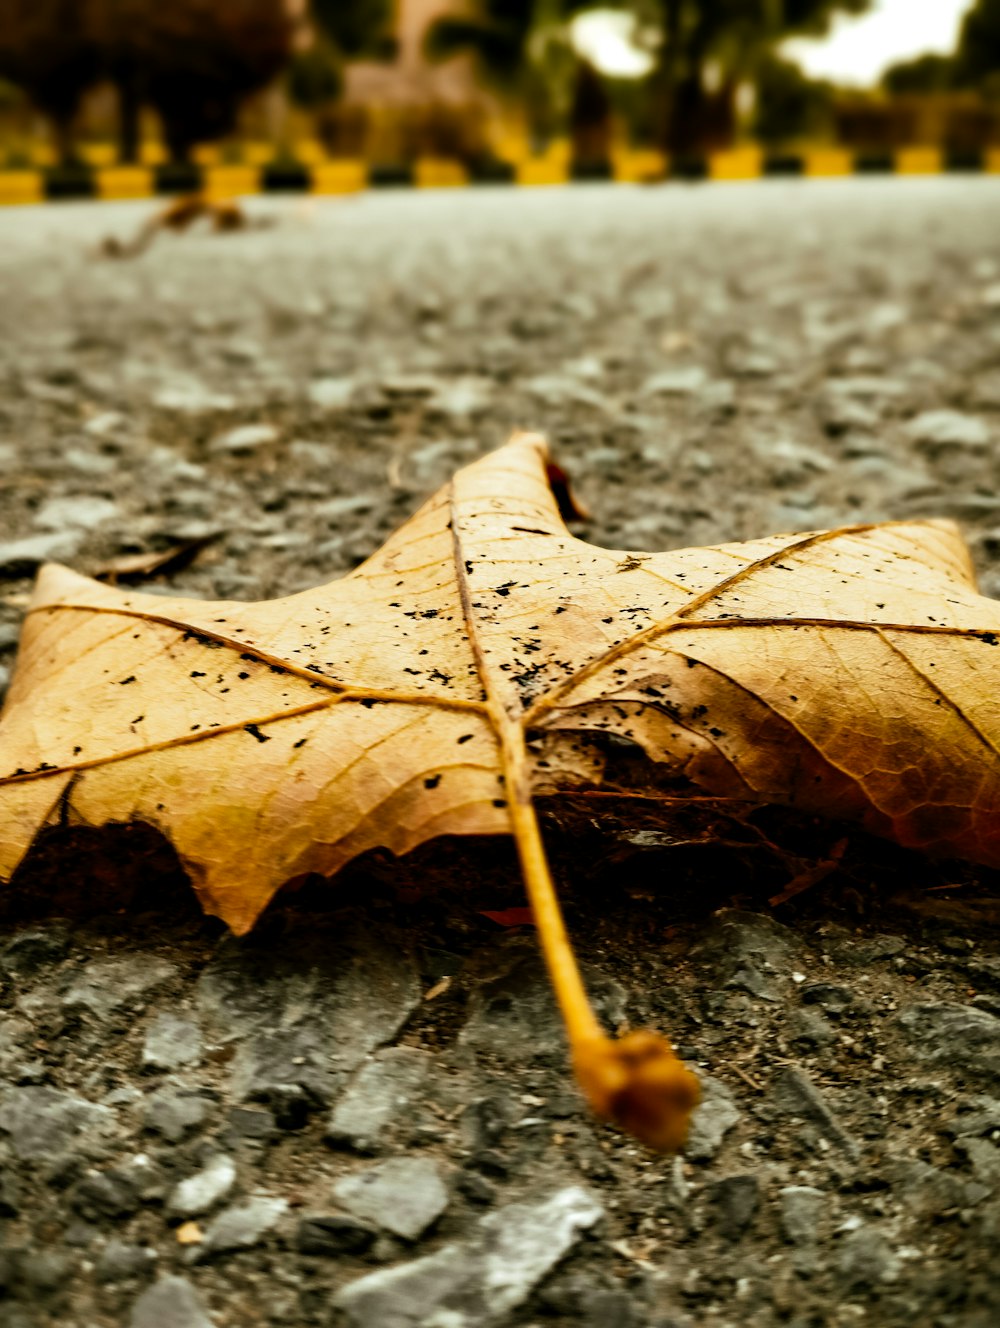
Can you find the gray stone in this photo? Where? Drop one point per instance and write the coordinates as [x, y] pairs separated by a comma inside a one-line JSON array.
[[984, 1158], [714, 1117], [735, 1200], [243, 1226], [946, 1033], [306, 1014], [120, 1261], [479, 1282], [747, 951], [513, 1014], [203, 1191], [866, 1260], [331, 393], [405, 1195], [938, 431], [788, 462], [29, 951], [329, 1235], [462, 398], [175, 1112], [172, 1302], [679, 382], [246, 438], [378, 1095], [801, 1207], [23, 557], [809, 1029], [106, 1194], [796, 1094], [106, 424], [980, 1115], [170, 1043], [105, 985], [80, 512], [40, 1122], [193, 398]]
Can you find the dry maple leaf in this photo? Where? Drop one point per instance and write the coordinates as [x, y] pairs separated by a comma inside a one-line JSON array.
[[475, 661]]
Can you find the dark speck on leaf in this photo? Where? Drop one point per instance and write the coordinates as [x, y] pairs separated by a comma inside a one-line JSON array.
[[255, 732], [130, 678], [432, 781], [466, 737]]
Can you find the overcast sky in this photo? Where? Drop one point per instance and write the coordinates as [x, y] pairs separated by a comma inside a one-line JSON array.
[[858, 50]]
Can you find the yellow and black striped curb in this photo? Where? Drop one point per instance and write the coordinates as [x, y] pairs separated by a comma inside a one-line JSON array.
[[342, 176]]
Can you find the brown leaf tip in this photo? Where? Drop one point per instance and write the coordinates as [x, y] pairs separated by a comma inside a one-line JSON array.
[[639, 1083]]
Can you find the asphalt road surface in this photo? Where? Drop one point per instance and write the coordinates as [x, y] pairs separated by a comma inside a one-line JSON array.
[[283, 1130]]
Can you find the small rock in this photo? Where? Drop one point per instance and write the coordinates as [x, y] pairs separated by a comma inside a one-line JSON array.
[[106, 424], [23, 557], [105, 985], [801, 1210], [808, 1029], [829, 996], [193, 398], [41, 1122], [175, 1112], [679, 382], [405, 1195], [379, 1094], [714, 1117], [462, 398], [866, 1260], [246, 438], [980, 1115], [796, 1094], [946, 1033], [78, 512], [241, 1227], [513, 1014], [252, 1122], [170, 1303], [331, 393], [120, 1261], [478, 1283], [29, 951], [747, 951], [106, 1194], [736, 1200], [200, 1192], [984, 1158], [170, 1043], [939, 431], [329, 1235]]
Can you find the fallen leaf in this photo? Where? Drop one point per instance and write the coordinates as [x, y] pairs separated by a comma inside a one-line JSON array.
[[510, 917], [132, 567], [483, 657], [189, 1233]]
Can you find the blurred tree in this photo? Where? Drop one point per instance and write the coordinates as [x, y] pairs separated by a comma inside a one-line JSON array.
[[706, 48], [522, 48], [925, 73], [358, 27], [977, 62], [349, 29], [193, 61], [45, 50], [790, 104]]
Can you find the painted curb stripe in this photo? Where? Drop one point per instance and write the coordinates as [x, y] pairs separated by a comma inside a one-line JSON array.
[[220, 180]]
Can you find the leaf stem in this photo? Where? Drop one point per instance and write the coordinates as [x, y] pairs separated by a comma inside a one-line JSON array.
[[636, 1081]]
